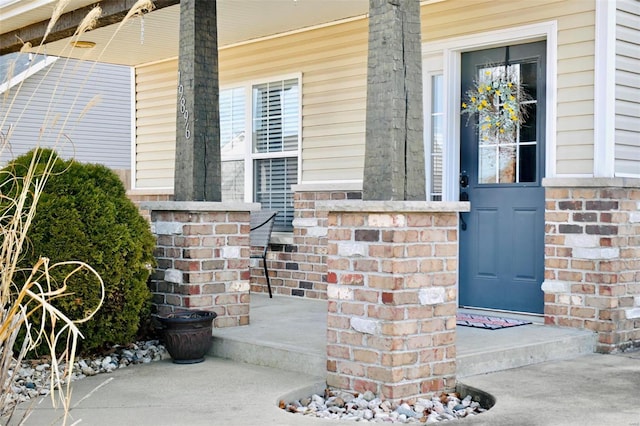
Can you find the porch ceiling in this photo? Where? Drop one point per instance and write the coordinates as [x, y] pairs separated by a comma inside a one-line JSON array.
[[238, 21]]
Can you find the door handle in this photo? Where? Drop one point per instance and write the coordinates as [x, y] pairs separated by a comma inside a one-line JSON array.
[[464, 180], [464, 196]]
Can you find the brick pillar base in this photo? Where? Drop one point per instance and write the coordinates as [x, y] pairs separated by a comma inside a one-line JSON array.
[[392, 291], [203, 258], [592, 258]]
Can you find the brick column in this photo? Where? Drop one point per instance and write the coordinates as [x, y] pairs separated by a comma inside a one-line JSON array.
[[392, 291], [592, 258], [203, 258]]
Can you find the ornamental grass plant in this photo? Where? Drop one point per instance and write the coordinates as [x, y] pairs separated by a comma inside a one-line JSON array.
[[30, 293]]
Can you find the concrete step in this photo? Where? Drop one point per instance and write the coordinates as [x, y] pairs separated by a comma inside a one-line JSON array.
[[289, 333], [485, 352]]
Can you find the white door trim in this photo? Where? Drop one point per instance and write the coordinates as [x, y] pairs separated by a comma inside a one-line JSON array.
[[605, 90], [451, 50]]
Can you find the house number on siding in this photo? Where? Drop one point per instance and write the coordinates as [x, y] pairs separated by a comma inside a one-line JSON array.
[[183, 108]]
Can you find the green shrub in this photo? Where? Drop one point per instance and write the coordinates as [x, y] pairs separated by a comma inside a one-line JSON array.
[[84, 214]]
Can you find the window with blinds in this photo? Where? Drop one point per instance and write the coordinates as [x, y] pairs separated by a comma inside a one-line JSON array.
[[271, 160], [273, 178], [276, 124], [437, 137], [232, 143]]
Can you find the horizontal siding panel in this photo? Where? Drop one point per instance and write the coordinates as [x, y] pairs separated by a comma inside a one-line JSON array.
[[151, 183], [631, 7], [579, 17], [575, 167], [576, 137], [578, 122], [626, 63], [627, 49], [319, 98], [343, 162], [160, 120], [629, 79], [345, 151], [627, 138], [628, 123], [150, 94], [576, 50], [349, 173], [628, 152], [356, 104], [357, 83], [574, 152], [566, 109], [347, 128], [584, 78], [575, 65], [153, 163], [577, 34], [353, 139], [335, 118], [630, 109], [627, 167], [168, 131], [631, 94], [335, 73], [147, 152], [574, 94]]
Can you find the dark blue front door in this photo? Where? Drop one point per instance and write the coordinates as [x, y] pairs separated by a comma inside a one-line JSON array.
[[502, 237]]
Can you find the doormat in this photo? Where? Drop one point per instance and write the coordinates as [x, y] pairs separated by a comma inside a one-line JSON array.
[[489, 323]]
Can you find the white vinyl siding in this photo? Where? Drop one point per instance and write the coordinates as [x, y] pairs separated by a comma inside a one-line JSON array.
[[47, 110], [156, 94], [627, 122]]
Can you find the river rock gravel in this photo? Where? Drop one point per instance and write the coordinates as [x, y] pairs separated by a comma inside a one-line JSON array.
[[367, 407], [33, 376]]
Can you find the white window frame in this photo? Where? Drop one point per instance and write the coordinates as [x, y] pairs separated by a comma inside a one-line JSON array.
[[249, 155]]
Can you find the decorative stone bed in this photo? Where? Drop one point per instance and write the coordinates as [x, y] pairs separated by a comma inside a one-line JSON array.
[[337, 404]]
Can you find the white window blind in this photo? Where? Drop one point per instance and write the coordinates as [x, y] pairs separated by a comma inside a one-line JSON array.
[[436, 137], [272, 185], [276, 115], [273, 157], [232, 143]]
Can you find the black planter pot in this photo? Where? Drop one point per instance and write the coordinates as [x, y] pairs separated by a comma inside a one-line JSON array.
[[187, 335]]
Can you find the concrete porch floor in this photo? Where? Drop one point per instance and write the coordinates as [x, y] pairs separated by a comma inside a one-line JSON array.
[[289, 333]]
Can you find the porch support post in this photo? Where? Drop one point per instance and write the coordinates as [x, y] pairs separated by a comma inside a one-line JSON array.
[[197, 167], [202, 252], [394, 166], [392, 293], [592, 258]]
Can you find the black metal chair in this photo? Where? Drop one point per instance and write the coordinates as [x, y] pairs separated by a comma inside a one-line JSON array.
[[261, 226]]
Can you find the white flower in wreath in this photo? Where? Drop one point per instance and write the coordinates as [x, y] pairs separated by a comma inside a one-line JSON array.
[[499, 100]]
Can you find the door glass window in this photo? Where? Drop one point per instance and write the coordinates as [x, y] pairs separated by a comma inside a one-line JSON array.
[[507, 154]]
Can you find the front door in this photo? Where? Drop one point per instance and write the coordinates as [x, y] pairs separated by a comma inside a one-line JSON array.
[[502, 165]]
